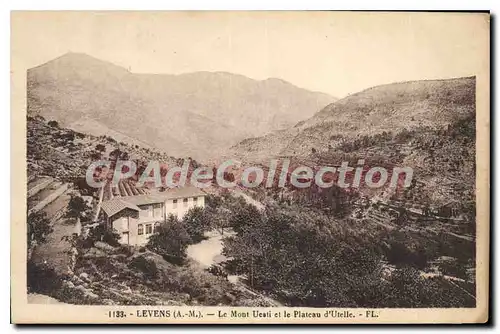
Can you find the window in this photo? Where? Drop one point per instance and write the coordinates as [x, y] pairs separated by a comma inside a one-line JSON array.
[[185, 202], [157, 227], [149, 229], [140, 229], [174, 204], [150, 211], [157, 210], [195, 201]]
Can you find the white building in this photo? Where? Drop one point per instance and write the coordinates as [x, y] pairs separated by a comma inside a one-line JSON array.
[[135, 217]]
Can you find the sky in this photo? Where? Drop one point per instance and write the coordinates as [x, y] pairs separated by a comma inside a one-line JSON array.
[[332, 52]]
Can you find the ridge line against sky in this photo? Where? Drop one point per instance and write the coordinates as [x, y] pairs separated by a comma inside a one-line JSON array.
[[130, 71], [337, 53]]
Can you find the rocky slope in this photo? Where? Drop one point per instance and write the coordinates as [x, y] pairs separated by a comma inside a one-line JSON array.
[[394, 107]]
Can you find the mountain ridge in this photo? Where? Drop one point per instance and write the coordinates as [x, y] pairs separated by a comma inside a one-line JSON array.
[[389, 107], [195, 114]]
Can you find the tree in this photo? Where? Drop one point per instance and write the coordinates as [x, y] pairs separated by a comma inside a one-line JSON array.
[[213, 201], [244, 217], [219, 218], [197, 222], [82, 186], [304, 257], [170, 240], [78, 208], [38, 228]]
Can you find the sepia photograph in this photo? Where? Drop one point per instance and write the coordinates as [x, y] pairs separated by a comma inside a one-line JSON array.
[[250, 167]]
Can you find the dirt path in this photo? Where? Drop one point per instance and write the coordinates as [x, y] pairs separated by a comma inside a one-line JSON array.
[[208, 251]]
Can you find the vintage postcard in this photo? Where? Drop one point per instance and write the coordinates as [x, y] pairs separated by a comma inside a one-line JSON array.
[[250, 167]]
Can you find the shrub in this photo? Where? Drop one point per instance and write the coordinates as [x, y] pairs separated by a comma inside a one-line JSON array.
[[409, 289], [307, 258], [42, 279], [53, 124], [400, 254], [126, 250], [101, 233], [454, 268], [205, 288], [100, 147], [38, 228], [147, 266]]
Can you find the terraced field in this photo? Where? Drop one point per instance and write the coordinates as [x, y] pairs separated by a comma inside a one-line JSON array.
[[43, 192], [50, 196]]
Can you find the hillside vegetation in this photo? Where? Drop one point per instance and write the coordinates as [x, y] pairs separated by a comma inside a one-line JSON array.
[[409, 105], [66, 154], [362, 247]]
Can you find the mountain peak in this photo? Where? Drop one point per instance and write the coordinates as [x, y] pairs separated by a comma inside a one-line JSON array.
[[76, 55], [78, 60], [79, 56], [196, 114]]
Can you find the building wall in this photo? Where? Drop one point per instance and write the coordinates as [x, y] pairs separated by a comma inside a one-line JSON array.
[[156, 211], [180, 208], [128, 228], [121, 222], [142, 239]]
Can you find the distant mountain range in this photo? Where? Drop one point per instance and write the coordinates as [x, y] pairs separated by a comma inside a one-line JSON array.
[[197, 114], [393, 107]]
